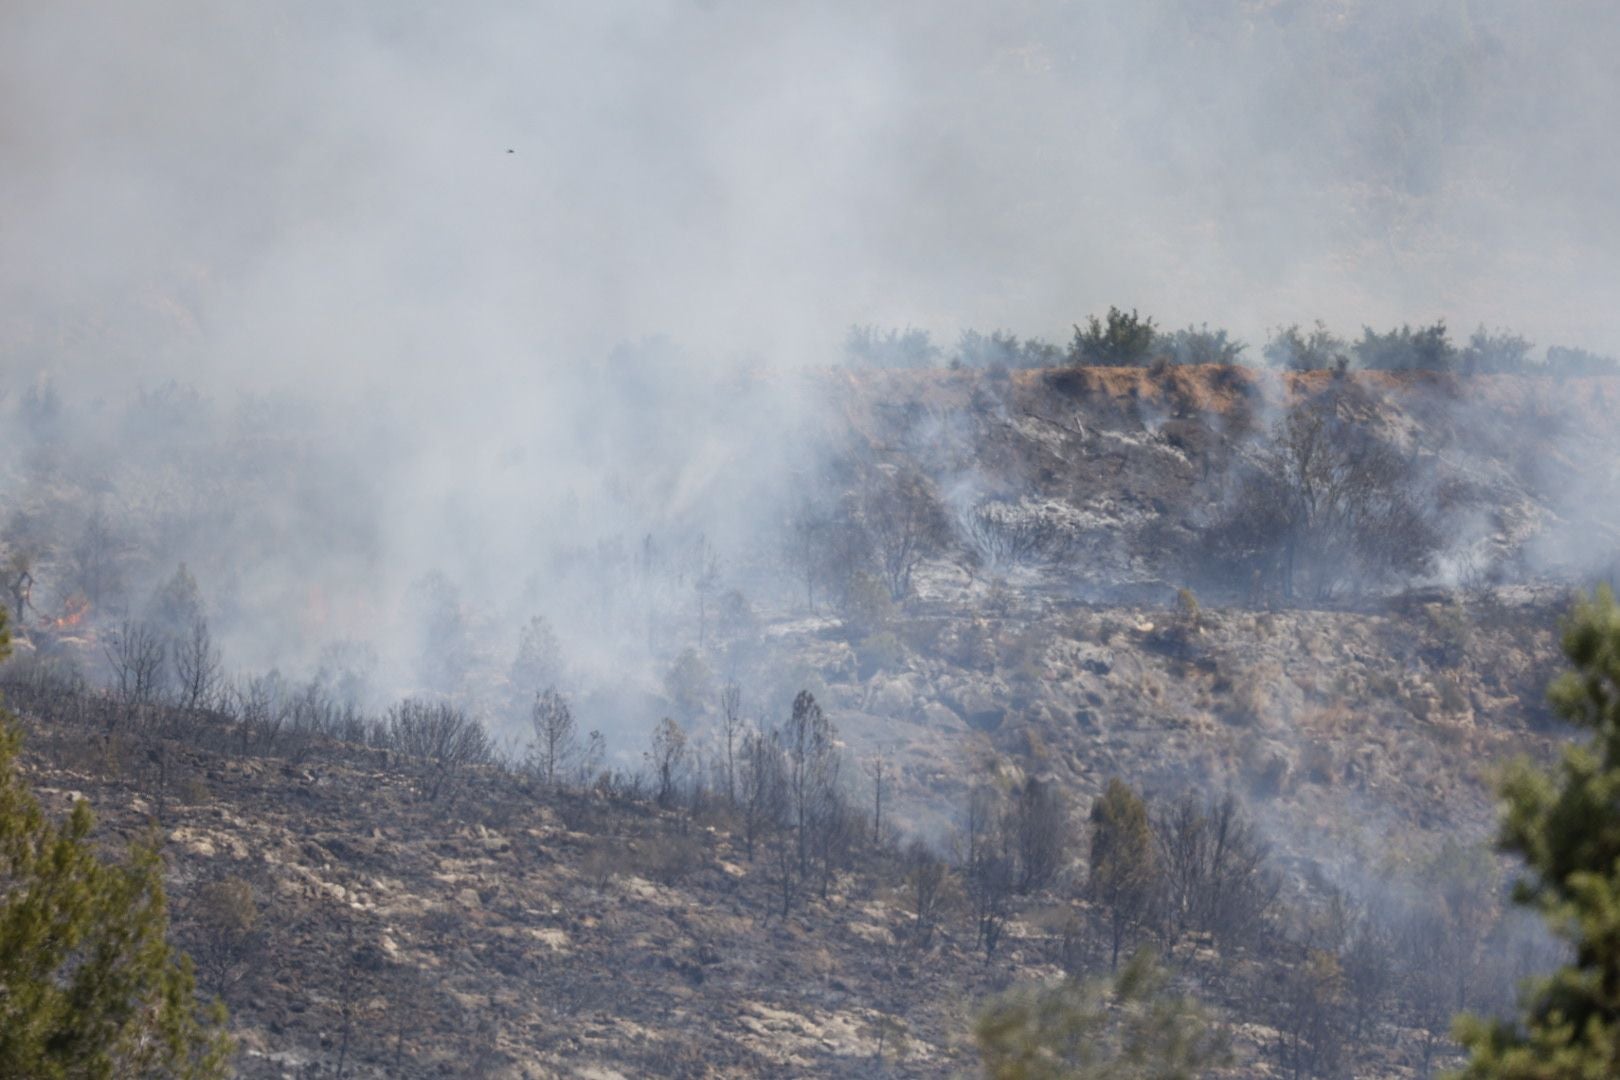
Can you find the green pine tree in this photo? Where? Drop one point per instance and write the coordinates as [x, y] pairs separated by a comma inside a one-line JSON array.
[[1566, 825], [1124, 863], [1132, 1027], [89, 987]]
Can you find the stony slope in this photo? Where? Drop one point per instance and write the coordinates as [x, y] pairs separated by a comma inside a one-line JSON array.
[[528, 935], [514, 934]]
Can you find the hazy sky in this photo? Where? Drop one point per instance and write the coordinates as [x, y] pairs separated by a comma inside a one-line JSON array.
[[325, 190]]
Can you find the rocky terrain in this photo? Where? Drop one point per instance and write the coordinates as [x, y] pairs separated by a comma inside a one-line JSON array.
[[353, 922], [1383, 706], [524, 936], [348, 920]]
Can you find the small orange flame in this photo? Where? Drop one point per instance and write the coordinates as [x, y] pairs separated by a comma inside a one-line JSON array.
[[72, 615]]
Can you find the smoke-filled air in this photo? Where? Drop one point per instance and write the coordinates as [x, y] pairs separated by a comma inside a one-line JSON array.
[[716, 539]]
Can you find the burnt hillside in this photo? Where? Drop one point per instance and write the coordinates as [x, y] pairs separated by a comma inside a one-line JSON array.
[[1060, 614]]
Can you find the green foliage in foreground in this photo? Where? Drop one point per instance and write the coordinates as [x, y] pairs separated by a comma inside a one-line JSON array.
[[1566, 824], [1129, 1028], [89, 987]]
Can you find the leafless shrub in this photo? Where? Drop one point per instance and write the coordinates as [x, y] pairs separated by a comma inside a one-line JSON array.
[[906, 523], [1368, 961], [602, 864], [1326, 503], [988, 876], [588, 766], [1309, 1015], [820, 814], [50, 688], [1037, 823], [926, 875], [824, 546], [668, 760], [1003, 535], [311, 716], [555, 737], [622, 786], [990, 886], [226, 916], [93, 562], [442, 741], [260, 716], [135, 654], [837, 827], [761, 788], [410, 1001], [881, 773], [1215, 872], [669, 860], [197, 668], [1251, 700], [732, 729]]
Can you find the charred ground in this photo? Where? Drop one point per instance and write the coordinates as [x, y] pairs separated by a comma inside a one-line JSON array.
[[1035, 593]]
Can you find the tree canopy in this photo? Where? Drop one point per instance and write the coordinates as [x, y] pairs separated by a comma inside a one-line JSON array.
[[89, 987], [1122, 339], [1565, 823], [1132, 1026], [1124, 865]]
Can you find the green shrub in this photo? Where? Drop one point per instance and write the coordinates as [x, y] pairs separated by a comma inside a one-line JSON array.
[[1187, 607], [89, 986], [1316, 349], [1135, 1024], [1428, 348], [1201, 345], [1123, 340]]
